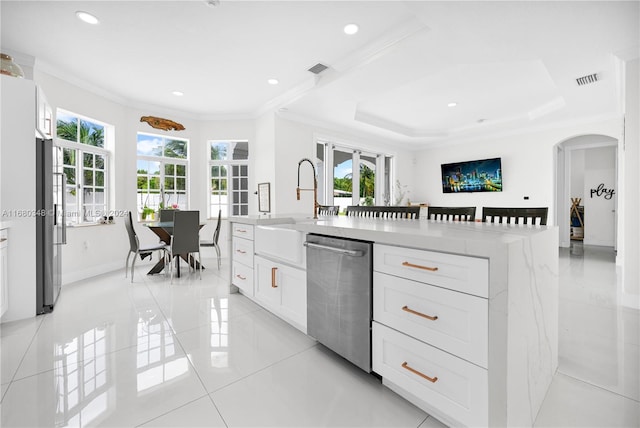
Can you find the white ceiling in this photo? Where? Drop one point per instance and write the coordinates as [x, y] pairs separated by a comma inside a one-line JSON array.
[[506, 64]]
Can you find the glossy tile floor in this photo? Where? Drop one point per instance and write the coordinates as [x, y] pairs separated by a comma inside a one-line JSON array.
[[190, 354]]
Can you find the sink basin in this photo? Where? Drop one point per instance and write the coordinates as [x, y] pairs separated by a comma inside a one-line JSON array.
[[280, 241]]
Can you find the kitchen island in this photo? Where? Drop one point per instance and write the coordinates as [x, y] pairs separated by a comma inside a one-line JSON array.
[[494, 346]]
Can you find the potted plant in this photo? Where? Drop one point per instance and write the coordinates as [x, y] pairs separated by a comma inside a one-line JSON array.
[[147, 212]]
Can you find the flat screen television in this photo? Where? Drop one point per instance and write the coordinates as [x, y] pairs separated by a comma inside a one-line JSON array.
[[484, 175]]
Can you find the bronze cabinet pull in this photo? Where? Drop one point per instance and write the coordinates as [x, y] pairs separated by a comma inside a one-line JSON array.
[[420, 314], [430, 269], [405, 365], [241, 230], [241, 252], [273, 277], [241, 277]]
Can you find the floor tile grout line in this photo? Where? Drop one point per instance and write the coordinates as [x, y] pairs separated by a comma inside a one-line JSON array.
[[598, 386], [314, 345], [13, 378], [171, 411], [195, 370]]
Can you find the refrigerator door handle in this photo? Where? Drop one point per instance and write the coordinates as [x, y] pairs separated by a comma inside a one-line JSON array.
[[63, 185], [63, 182]]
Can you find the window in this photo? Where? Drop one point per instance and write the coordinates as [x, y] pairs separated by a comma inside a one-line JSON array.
[[85, 161], [366, 184], [162, 173], [228, 178]]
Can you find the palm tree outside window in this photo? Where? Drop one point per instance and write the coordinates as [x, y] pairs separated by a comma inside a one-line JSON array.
[[85, 161], [162, 174]]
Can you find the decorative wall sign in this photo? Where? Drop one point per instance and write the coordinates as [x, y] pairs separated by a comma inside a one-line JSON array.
[[264, 197], [603, 191], [160, 123]]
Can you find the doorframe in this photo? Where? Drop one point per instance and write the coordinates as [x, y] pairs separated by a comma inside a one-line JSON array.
[[562, 154]]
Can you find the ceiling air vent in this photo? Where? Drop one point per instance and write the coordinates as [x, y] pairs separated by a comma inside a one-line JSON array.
[[585, 80], [318, 68]]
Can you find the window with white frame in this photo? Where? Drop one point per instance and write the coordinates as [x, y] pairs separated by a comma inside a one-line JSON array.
[[352, 176], [85, 162], [162, 178], [228, 178]]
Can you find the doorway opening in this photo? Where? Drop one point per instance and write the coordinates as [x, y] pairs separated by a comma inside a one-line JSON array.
[[586, 192]]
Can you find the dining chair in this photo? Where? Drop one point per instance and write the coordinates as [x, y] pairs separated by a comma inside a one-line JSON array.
[[166, 216], [216, 234], [451, 213], [328, 209], [410, 212], [134, 246], [186, 238], [505, 214]]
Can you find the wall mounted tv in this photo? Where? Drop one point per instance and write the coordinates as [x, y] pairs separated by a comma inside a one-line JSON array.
[[483, 175]]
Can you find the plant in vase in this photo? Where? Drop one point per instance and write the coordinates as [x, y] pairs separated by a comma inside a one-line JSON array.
[[148, 213]]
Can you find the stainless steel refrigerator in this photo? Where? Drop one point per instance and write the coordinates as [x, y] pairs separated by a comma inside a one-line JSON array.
[[50, 224]]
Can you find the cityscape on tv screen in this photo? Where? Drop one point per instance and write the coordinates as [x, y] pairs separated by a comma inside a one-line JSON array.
[[474, 176]]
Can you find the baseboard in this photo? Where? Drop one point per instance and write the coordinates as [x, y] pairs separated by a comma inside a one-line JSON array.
[[71, 277]]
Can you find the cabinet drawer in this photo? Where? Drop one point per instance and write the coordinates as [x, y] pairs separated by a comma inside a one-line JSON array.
[[461, 273], [242, 277], [242, 251], [460, 388], [242, 230], [461, 324]]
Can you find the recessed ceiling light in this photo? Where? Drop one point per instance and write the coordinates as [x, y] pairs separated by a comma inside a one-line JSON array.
[[273, 81], [87, 17], [351, 29], [452, 104], [177, 93]]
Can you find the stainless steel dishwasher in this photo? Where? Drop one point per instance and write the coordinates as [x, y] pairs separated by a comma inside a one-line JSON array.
[[339, 290]]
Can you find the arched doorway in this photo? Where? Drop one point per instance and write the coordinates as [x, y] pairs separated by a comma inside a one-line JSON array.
[[587, 170]]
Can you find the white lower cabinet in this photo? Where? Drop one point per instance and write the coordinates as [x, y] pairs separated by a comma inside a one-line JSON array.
[[282, 289], [431, 331], [453, 389], [242, 278], [242, 257], [4, 273], [456, 322]]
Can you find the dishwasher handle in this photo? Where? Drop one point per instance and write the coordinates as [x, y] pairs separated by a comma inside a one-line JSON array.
[[352, 253]]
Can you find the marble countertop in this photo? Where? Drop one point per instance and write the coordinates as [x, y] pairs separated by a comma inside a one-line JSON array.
[[471, 238]]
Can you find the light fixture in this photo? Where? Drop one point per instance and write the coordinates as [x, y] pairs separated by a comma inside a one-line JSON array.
[[351, 29], [452, 104], [8, 67], [273, 81], [87, 17], [177, 93]]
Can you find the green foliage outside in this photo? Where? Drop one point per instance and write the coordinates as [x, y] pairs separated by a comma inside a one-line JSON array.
[[367, 184]]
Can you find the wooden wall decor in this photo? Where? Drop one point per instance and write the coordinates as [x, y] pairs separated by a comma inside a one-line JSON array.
[[160, 123]]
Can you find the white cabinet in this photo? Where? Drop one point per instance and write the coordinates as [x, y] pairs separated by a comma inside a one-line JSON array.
[[4, 273], [242, 257], [454, 389], [430, 330], [282, 289]]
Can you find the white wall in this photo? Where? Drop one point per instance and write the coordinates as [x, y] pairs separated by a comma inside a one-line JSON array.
[[577, 174], [263, 160], [528, 167], [630, 205]]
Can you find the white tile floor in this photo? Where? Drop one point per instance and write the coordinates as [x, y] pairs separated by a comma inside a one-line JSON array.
[[189, 354]]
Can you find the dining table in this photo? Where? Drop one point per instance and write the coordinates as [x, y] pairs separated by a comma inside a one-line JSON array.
[[164, 231]]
